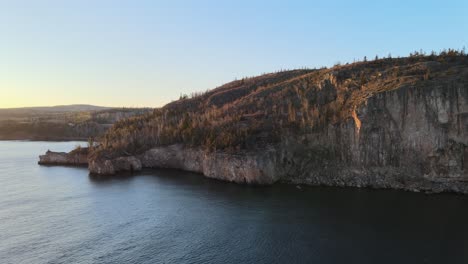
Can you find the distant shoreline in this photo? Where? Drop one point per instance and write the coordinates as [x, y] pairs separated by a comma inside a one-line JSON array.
[[44, 139], [67, 123]]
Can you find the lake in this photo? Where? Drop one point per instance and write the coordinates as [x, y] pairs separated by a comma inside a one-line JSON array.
[[63, 215]]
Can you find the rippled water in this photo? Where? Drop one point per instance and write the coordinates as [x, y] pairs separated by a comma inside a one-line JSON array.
[[61, 215]]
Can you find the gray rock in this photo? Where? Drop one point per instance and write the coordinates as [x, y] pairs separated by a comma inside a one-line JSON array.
[[62, 158]]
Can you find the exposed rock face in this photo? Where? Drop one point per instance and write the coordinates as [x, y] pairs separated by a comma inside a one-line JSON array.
[[252, 168], [74, 158], [413, 138], [246, 168], [110, 167]]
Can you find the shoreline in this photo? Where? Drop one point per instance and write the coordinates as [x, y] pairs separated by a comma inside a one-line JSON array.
[[250, 169]]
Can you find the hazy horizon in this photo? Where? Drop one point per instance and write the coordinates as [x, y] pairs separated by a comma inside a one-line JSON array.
[[73, 104], [146, 53]]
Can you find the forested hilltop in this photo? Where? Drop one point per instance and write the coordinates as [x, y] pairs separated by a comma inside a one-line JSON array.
[[253, 113], [69, 122]]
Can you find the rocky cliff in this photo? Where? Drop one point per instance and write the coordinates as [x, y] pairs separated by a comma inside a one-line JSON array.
[[78, 157], [412, 138], [392, 123], [251, 168]]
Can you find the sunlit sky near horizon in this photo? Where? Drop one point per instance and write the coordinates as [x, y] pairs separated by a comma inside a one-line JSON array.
[[146, 53]]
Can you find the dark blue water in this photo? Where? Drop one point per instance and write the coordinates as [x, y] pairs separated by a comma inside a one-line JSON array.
[[61, 215]]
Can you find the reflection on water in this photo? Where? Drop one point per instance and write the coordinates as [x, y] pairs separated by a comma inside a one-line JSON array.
[[63, 215]]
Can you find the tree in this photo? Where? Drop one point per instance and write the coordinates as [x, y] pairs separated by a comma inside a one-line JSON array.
[[291, 112], [91, 143], [427, 74], [363, 78]]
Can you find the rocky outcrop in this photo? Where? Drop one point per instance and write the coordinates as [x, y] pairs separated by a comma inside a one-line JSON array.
[[110, 167], [250, 168], [413, 138], [74, 158], [391, 123]]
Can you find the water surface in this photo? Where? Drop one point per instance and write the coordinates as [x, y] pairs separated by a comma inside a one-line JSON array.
[[61, 215]]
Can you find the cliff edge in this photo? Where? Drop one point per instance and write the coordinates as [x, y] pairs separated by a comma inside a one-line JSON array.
[[389, 123]]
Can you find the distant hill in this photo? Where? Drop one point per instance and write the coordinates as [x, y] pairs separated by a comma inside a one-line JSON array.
[[63, 122], [51, 109]]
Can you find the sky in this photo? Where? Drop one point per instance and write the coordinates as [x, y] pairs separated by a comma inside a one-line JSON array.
[[146, 53]]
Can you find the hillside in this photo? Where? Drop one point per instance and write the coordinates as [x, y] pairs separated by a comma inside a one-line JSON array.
[[255, 112], [388, 123], [8, 113]]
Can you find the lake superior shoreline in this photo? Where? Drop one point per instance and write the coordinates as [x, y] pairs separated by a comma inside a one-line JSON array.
[[261, 169]]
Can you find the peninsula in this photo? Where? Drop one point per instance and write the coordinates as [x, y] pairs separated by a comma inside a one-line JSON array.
[[398, 123]]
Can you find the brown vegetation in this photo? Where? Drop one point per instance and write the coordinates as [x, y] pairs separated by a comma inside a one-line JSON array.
[[255, 112]]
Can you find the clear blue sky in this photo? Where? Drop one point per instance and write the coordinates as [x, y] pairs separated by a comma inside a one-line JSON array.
[[145, 53]]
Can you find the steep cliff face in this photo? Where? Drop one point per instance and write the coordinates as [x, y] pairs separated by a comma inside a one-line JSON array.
[[387, 124], [413, 138], [251, 168]]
